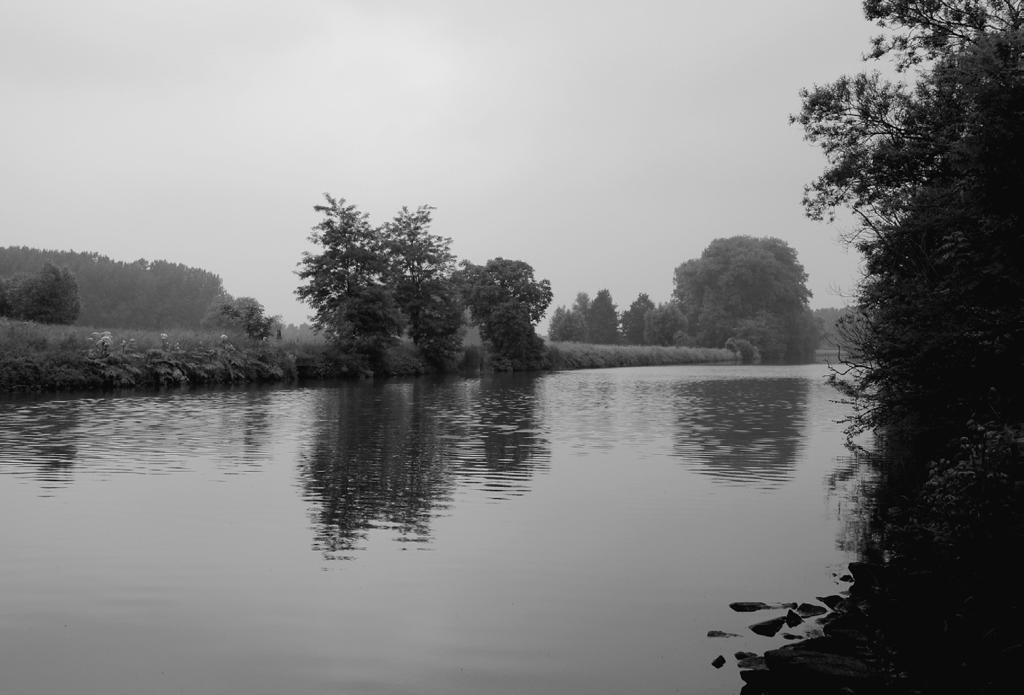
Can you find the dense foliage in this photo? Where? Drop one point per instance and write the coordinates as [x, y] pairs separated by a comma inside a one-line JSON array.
[[139, 294], [931, 168], [49, 296], [749, 288], [933, 172], [506, 302], [371, 283]]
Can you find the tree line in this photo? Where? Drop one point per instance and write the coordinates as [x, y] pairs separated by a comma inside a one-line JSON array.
[[93, 290], [746, 293]]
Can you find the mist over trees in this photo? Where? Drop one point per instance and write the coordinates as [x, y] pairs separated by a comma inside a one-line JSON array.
[[632, 320], [243, 315], [749, 288], [118, 294], [49, 296], [587, 320], [666, 324], [751, 291]]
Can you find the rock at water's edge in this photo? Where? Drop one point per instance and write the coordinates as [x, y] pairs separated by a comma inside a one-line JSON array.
[[831, 601], [719, 633], [751, 606], [769, 628], [809, 610], [820, 663]]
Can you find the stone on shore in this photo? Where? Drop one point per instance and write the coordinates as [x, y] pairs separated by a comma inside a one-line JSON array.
[[719, 661], [792, 619], [831, 601], [751, 606], [769, 628], [719, 633], [820, 665], [809, 610]]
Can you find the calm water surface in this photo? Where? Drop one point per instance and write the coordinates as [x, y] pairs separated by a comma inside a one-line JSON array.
[[575, 532]]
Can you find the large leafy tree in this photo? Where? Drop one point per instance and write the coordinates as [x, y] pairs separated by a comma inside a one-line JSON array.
[[632, 320], [506, 301], [346, 283], [369, 283], [421, 266], [742, 281], [931, 167]]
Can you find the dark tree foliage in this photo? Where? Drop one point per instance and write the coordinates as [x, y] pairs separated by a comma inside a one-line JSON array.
[[506, 302], [347, 283], [632, 320], [371, 283], [750, 288], [603, 320], [50, 296], [118, 294], [933, 171], [421, 269]]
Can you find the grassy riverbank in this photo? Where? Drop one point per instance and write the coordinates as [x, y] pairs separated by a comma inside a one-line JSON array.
[[587, 356], [39, 357], [64, 358]]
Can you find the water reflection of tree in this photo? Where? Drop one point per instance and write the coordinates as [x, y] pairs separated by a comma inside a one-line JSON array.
[[852, 486], [501, 442], [391, 455], [744, 431], [41, 439]]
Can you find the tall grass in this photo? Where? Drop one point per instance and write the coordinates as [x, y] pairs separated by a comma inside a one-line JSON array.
[[587, 356]]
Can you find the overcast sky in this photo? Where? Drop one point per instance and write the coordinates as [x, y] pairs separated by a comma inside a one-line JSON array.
[[602, 142]]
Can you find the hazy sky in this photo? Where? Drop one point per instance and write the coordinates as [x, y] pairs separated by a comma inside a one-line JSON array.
[[602, 142]]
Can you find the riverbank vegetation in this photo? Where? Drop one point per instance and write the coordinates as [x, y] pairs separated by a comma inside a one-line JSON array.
[[930, 165], [40, 357], [569, 355], [741, 291]]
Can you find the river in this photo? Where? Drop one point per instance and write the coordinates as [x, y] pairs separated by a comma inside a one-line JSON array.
[[563, 533]]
